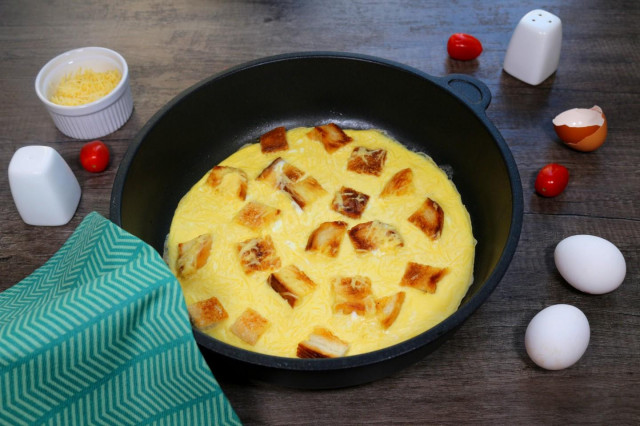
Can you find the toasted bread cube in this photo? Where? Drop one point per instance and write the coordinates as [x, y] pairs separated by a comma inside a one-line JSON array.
[[291, 283], [388, 308], [326, 238], [229, 181], [279, 173], [331, 136], [322, 343], [250, 326], [284, 176], [256, 216], [193, 254], [429, 218], [350, 202], [375, 235], [305, 191], [422, 277], [400, 184], [258, 254], [274, 140], [367, 161], [353, 294], [207, 313]]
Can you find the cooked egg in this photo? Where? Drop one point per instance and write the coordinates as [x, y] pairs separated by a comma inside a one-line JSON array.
[[557, 337], [292, 318], [581, 129], [590, 264]]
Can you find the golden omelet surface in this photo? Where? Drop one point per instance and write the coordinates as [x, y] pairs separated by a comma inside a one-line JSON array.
[[207, 210]]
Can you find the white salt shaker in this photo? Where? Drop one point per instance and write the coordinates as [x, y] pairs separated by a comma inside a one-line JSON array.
[[44, 188], [534, 50]]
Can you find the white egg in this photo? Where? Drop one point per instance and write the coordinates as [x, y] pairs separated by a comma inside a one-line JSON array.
[[557, 337], [590, 264]]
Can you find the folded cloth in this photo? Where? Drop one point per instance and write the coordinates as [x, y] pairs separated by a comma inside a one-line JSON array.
[[100, 335]]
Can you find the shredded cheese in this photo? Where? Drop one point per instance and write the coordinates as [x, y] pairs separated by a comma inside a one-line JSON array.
[[85, 86]]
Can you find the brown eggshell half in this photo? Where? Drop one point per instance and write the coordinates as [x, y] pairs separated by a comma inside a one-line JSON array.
[[581, 138]]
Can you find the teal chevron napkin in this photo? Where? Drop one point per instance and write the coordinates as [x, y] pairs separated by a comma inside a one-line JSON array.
[[100, 335]]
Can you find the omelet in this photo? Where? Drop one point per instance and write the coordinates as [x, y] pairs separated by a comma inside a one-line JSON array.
[[321, 242]]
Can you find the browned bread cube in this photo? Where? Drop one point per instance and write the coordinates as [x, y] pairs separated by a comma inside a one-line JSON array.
[[229, 181], [305, 191], [258, 254], [193, 254], [256, 216], [429, 218], [250, 326], [322, 343], [284, 176], [422, 277], [327, 237], [274, 140], [350, 202], [375, 235], [291, 283], [280, 173], [388, 308], [353, 294], [367, 161], [331, 136], [207, 313], [400, 184]]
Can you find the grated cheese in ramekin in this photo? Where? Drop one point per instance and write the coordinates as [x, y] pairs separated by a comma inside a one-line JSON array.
[[85, 86]]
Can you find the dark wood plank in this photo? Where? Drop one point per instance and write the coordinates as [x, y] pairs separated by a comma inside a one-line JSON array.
[[482, 375]]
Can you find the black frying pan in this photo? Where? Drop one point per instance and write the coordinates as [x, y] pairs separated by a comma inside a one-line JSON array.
[[443, 117]]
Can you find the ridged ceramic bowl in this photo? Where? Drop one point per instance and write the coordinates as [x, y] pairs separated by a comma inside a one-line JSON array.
[[95, 119]]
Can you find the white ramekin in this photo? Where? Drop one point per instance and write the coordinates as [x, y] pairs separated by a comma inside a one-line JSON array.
[[95, 119]]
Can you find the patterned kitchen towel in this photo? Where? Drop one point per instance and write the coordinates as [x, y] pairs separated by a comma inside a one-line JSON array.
[[100, 335]]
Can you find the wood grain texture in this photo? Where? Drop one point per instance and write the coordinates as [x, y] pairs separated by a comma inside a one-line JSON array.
[[482, 375]]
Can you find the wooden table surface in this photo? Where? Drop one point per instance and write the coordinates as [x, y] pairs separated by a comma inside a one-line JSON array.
[[482, 374]]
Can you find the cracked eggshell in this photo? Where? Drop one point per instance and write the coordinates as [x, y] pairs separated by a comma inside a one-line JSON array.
[[582, 129]]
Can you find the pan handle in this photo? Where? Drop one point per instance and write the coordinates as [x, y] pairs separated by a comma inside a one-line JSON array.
[[471, 90]]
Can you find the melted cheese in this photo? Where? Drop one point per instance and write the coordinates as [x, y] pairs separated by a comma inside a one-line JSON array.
[[203, 210], [85, 86]]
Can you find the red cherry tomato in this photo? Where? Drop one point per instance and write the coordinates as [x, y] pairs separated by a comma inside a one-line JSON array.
[[94, 156], [552, 179], [464, 47]]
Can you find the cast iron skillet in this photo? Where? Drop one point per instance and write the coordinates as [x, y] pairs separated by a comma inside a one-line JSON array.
[[443, 117]]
